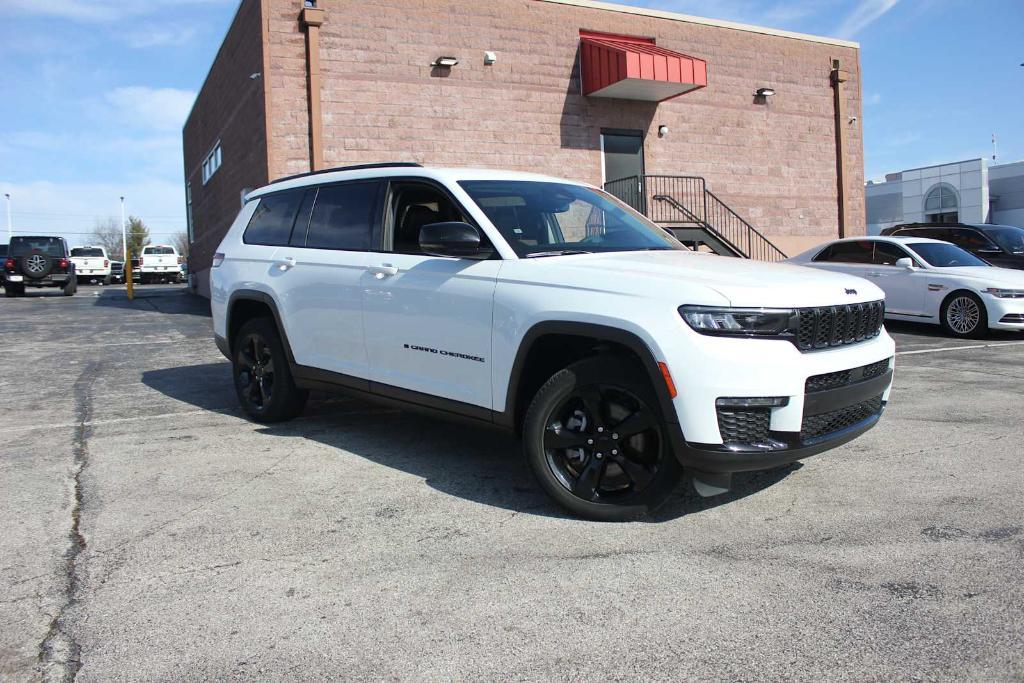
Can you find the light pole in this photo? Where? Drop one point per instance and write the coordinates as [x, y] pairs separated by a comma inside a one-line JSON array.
[[129, 286], [7, 195]]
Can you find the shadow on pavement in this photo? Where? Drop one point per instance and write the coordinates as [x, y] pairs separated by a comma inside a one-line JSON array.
[[170, 300], [472, 462], [936, 332]]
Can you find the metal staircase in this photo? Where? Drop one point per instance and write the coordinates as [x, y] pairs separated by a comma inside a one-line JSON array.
[[694, 214]]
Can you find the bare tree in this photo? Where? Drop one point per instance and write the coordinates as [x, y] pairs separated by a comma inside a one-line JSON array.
[[107, 234], [180, 242]]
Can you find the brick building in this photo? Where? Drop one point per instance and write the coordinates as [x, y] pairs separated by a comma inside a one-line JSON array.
[[758, 127]]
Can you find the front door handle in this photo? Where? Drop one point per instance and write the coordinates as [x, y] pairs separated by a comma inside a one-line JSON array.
[[287, 263], [384, 270]]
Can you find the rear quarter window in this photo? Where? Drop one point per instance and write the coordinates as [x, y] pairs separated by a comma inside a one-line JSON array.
[[272, 221]]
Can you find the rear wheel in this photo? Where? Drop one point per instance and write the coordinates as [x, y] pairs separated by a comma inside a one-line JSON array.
[[70, 287], [12, 290], [963, 315], [263, 379], [596, 441]]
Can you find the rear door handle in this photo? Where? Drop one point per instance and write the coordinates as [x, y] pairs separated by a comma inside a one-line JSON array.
[[286, 263], [384, 270]]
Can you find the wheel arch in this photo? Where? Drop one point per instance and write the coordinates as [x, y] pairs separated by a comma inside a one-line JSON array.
[[549, 346], [246, 304]]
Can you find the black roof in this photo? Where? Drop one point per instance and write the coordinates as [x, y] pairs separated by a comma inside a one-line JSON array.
[[358, 167]]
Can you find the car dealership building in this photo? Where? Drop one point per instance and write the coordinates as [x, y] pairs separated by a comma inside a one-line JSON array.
[[746, 140]]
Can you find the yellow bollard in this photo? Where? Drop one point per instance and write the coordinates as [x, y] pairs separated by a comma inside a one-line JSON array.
[[128, 277]]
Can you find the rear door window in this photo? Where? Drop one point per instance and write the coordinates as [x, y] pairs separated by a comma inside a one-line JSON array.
[[344, 217], [859, 251], [271, 223]]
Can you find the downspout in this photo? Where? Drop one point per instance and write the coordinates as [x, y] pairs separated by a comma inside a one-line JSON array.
[[312, 19], [838, 77]]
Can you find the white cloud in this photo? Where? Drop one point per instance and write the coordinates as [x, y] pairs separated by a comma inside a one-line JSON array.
[[152, 108], [863, 15], [873, 98], [159, 36]]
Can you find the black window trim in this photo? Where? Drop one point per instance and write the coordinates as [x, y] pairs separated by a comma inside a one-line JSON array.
[[906, 254]]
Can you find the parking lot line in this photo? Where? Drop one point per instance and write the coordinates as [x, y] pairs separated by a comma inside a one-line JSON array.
[[959, 348]]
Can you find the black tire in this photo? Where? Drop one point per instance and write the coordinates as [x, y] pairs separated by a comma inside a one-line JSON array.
[[596, 440], [14, 290], [70, 287], [107, 280], [963, 315], [263, 379]]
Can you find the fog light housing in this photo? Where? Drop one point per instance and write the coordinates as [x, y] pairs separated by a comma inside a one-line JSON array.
[[753, 402]]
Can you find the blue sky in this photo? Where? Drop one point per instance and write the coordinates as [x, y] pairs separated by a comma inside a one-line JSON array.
[[94, 92]]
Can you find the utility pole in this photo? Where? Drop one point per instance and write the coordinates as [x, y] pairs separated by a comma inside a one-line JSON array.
[[10, 232], [127, 257]]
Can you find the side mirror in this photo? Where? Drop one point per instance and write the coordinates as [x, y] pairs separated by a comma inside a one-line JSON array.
[[454, 238], [907, 263]]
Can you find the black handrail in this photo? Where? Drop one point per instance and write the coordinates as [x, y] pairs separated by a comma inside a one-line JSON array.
[[662, 197]]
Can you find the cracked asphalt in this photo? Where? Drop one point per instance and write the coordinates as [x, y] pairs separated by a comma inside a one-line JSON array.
[[151, 533]]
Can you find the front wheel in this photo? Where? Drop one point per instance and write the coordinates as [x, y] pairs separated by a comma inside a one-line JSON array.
[[263, 379], [963, 315], [596, 441]]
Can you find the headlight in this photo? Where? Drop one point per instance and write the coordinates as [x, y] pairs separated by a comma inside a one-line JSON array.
[[1005, 293], [740, 322]]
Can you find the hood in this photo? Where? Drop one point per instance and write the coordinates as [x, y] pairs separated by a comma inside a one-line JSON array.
[[1005, 277], [681, 274]]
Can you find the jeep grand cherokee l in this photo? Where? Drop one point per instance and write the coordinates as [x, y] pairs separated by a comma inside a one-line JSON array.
[[548, 308]]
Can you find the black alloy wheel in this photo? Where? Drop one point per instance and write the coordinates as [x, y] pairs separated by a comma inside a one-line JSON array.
[[263, 380], [595, 439]]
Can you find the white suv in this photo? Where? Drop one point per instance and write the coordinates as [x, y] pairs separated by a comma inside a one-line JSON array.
[[545, 307]]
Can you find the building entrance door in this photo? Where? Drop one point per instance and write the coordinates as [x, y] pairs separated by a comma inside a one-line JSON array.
[[622, 163]]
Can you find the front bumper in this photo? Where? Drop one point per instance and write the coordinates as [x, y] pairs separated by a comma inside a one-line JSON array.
[[1004, 314]]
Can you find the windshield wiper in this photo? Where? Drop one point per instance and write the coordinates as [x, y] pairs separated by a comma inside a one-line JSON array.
[[563, 252]]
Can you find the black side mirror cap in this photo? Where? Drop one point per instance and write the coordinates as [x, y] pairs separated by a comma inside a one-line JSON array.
[[452, 238]]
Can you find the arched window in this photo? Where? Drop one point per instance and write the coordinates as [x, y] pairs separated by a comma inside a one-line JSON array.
[[941, 204]]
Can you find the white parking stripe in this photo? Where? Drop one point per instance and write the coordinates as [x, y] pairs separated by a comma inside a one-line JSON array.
[[959, 348]]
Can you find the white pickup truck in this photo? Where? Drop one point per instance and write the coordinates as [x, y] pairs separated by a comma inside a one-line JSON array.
[[159, 262], [91, 263]]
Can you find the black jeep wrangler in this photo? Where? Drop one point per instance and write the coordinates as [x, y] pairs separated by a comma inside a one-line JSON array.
[[38, 262]]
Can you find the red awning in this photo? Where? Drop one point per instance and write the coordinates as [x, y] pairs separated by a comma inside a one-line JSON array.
[[636, 69]]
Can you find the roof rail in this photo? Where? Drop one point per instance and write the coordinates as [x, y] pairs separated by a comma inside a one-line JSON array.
[[358, 167]]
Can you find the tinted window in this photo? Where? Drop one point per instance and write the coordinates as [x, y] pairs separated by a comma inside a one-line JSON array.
[[886, 254], [158, 251], [84, 252], [416, 205], [545, 218], [343, 217], [302, 219], [946, 255], [271, 223], [20, 246], [847, 252], [1009, 238], [971, 239]]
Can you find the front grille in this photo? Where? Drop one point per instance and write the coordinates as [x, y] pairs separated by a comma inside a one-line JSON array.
[[826, 423], [841, 378], [744, 426], [830, 326]]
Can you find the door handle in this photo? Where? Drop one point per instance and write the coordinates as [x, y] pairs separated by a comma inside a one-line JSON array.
[[384, 270], [873, 274], [286, 263]]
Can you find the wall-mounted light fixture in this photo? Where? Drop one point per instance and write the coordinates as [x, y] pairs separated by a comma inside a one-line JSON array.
[[764, 92], [445, 62], [255, 76], [490, 57], [662, 131]]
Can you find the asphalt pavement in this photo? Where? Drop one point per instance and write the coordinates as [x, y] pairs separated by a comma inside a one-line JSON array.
[[152, 533]]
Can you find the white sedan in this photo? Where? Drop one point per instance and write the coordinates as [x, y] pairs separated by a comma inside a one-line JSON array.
[[930, 281]]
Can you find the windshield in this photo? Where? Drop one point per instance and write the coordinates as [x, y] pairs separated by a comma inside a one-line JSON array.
[[158, 251], [1010, 238], [51, 246], [86, 252], [541, 218], [943, 255]]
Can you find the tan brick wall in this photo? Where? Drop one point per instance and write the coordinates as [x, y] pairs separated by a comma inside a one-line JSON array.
[[230, 107], [774, 164]]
